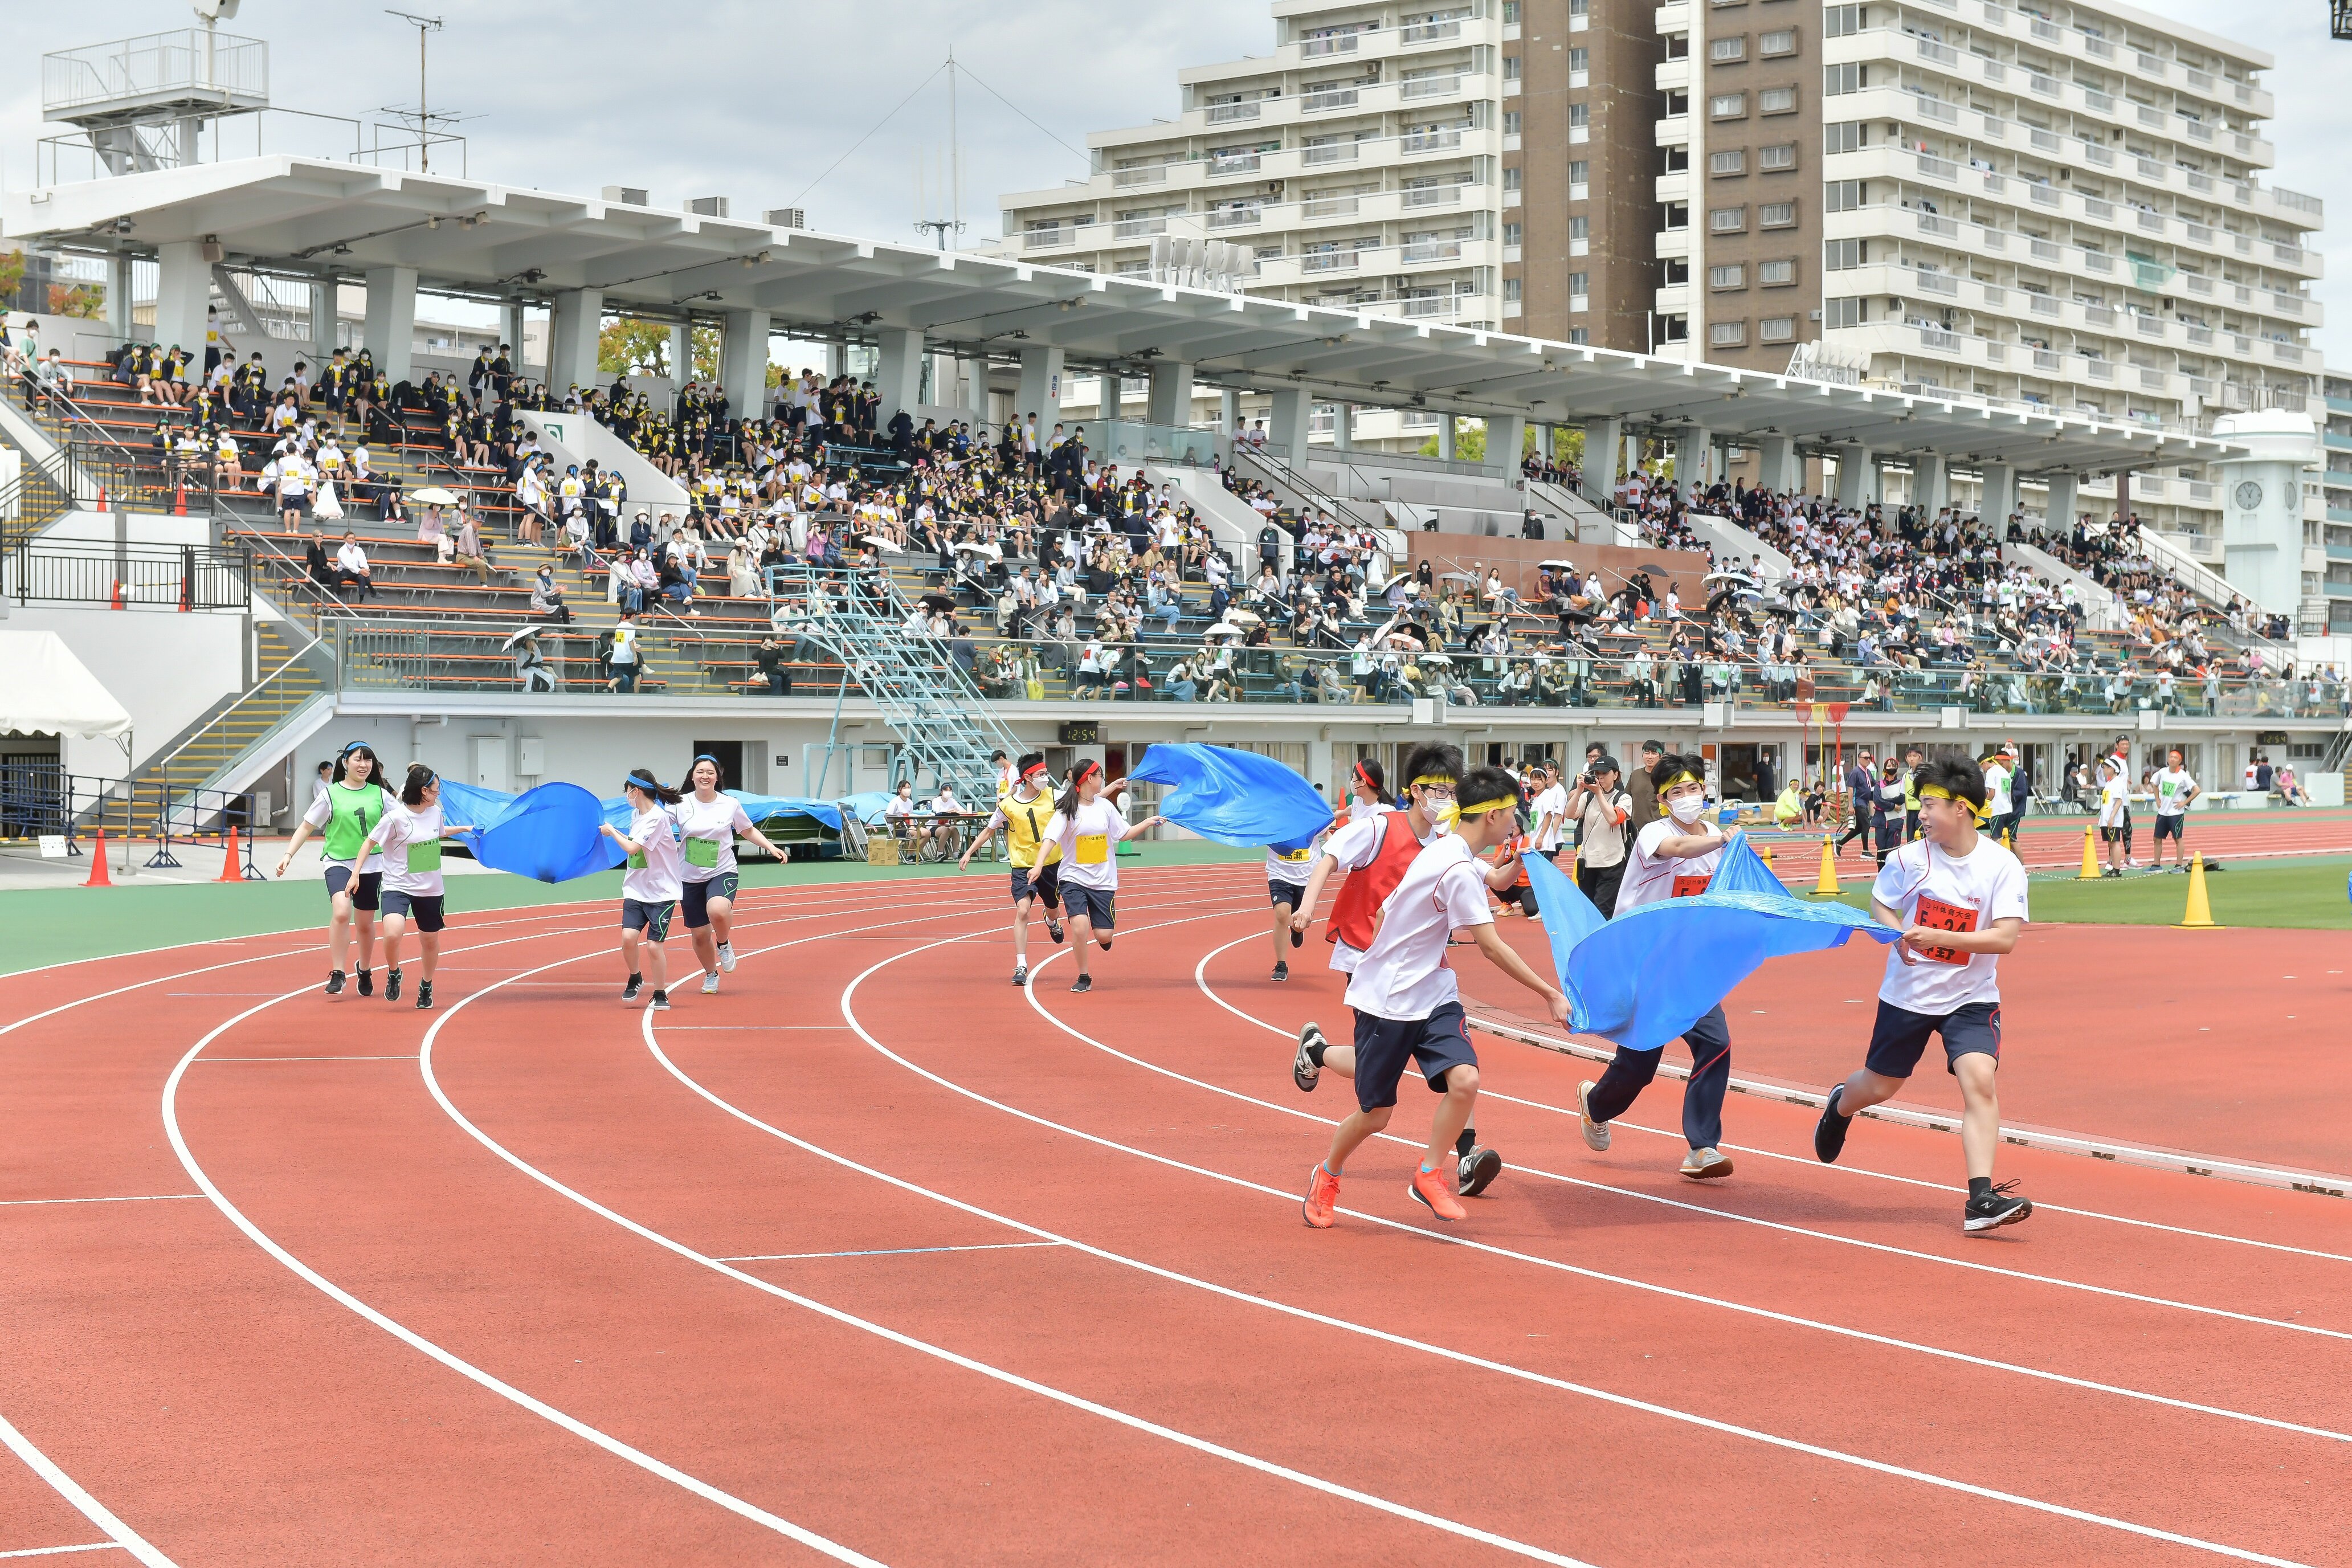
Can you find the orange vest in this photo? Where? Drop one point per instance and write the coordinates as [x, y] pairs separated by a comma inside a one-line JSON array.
[[1355, 913]]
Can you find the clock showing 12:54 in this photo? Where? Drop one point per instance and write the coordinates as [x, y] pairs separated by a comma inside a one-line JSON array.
[[2248, 495]]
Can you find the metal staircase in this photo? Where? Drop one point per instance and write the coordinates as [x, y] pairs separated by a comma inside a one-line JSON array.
[[946, 729]]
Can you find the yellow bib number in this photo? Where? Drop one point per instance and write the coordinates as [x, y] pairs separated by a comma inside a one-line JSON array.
[[1094, 848], [703, 852], [424, 858], [1293, 856]]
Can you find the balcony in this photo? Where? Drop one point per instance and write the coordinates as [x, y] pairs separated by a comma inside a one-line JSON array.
[[1442, 196], [1247, 217], [1430, 32], [1149, 174], [1227, 113], [1234, 163], [1449, 141], [1421, 252], [1138, 227], [1329, 207], [1321, 100], [1330, 153], [1428, 305], [1430, 87], [1327, 261], [1335, 43]]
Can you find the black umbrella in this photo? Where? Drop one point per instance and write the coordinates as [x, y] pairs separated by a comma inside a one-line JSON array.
[[941, 602]]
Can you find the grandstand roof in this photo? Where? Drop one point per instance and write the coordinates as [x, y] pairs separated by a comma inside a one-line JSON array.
[[475, 237]]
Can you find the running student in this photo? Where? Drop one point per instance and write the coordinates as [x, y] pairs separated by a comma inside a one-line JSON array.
[[1367, 791], [409, 837], [1021, 812], [343, 812], [650, 886], [1960, 898], [1287, 872], [1408, 1006], [709, 823], [1673, 857], [1087, 827], [1375, 851]]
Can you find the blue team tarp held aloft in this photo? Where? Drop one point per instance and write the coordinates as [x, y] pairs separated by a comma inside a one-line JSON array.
[[552, 834], [1235, 797], [1639, 979]]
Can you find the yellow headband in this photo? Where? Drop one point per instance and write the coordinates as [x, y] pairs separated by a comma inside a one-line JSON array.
[[1685, 776], [1428, 779], [1938, 792], [1484, 806]]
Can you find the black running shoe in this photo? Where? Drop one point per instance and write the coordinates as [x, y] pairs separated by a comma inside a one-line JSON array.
[[629, 993], [1021, 975], [367, 982], [1479, 1169], [1281, 970], [391, 985], [1085, 982], [1297, 936], [424, 996], [661, 1001], [334, 983], [1053, 930], [1829, 1132], [2000, 1206], [1305, 1070], [1105, 944]]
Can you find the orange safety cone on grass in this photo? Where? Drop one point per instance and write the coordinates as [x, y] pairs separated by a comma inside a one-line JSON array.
[[1827, 887], [2090, 872], [2199, 914], [230, 871], [98, 873]]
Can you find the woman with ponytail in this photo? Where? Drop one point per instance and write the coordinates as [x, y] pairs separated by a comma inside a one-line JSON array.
[[1087, 827], [409, 836], [651, 887], [1367, 790], [342, 815]]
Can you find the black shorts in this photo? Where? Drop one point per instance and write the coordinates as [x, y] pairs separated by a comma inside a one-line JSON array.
[[1899, 1035], [2110, 834], [1098, 907], [422, 908], [695, 898], [651, 919], [1287, 894], [2171, 826], [300, 503], [1048, 886], [366, 887], [1437, 1043]]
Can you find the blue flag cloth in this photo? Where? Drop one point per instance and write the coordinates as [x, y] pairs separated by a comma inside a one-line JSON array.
[[548, 834], [1644, 977], [1235, 797]]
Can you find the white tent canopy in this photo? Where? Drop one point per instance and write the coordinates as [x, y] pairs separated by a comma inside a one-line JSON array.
[[45, 689]]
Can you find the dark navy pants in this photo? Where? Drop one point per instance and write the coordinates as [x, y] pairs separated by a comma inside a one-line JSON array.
[[1630, 1073]]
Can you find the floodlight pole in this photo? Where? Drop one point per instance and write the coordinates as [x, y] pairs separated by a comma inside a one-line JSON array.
[[423, 25]]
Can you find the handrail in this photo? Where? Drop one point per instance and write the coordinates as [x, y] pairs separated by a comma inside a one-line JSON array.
[[159, 764]]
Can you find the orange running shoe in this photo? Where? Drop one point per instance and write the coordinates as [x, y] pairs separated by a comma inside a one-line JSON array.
[[1322, 1195], [1429, 1187]]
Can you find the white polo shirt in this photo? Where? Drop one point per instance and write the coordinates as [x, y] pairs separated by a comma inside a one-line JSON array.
[[1650, 878], [1403, 975], [1930, 888]]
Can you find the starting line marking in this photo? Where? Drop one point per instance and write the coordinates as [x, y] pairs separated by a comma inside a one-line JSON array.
[[890, 1251]]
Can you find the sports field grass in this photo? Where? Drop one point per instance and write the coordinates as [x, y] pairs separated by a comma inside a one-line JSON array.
[[2305, 894]]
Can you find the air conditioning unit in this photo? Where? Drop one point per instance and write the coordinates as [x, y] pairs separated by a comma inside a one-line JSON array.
[[627, 195], [708, 206], [787, 217]]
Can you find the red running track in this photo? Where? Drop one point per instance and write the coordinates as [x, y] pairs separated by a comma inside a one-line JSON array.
[[875, 1258]]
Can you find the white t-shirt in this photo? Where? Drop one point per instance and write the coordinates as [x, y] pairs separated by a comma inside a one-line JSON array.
[[1552, 803], [1996, 785], [1089, 839], [2115, 799], [1360, 809], [1927, 887], [715, 825], [1650, 878], [411, 842], [1355, 846], [654, 871], [2172, 787], [1294, 866], [1404, 974]]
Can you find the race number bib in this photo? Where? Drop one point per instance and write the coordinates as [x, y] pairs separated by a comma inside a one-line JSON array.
[[637, 860], [1295, 857], [424, 858], [1094, 848], [702, 852], [1936, 915], [1690, 886]]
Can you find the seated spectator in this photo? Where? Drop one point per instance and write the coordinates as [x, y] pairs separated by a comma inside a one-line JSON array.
[[351, 568]]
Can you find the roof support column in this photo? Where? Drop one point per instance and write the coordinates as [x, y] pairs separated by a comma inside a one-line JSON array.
[[743, 363], [184, 289], [391, 322], [118, 296], [1041, 387], [1997, 494], [1343, 426], [2061, 508], [1857, 477], [898, 382], [573, 324], [975, 389], [1776, 463], [1930, 485], [1229, 413], [1287, 423], [1693, 459], [1506, 435], [1604, 452], [1171, 399], [681, 356], [1449, 435]]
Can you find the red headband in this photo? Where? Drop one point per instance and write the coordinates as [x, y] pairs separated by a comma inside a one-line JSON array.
[[1085, 771], [1364, 778], [1033, 770]]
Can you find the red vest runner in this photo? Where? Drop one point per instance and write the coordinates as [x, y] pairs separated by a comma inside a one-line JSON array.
[[1355, 913]]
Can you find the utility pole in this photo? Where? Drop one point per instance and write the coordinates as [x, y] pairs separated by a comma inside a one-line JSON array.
[[423, 25]]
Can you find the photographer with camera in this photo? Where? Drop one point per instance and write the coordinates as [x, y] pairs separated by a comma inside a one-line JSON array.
[[1601, 811]]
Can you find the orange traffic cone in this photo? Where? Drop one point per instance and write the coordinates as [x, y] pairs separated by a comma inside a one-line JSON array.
[[117, 594], [180, 501], [230, 871], [97, 874], [102, 498]]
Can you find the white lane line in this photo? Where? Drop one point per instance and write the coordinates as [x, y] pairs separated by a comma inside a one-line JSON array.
[[97, 1512], [404, 1057], [1460, 1357], [137, 1198], [1733, 1216], [61, 1550], [888, 1251], [939, 1353]]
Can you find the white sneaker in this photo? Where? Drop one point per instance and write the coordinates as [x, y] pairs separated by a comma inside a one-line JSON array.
[[710, 985], [1706, 1165], [1596, 1133], [727, 958]]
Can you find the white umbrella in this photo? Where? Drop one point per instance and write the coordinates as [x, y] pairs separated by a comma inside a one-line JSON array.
[[1433, 656], [1240, 617], [1740, 578], [1221, 630], [882, 542], [526, 632], [1557, 565], [433, 495], [1457, 577], [972, 547]]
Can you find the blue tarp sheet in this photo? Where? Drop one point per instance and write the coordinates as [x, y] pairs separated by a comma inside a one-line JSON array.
[[549, 834], [1644, 977], [1235, 797]]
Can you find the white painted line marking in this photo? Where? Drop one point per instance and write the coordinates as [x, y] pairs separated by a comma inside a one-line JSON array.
[[207, 1062], [140, 1198], [92, 1510], [61, 1550], [888, 1251]]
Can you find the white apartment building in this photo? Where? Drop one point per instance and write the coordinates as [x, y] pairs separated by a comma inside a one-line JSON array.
[[1358, 164], [2039, 202]]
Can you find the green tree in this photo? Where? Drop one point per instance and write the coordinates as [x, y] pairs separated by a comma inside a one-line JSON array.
[[1470, 441], [12, 273], [626, 344], [85, 300]]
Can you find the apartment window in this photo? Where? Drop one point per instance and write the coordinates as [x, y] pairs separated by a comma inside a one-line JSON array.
[[1841, 312], [1846, 138], [1727, 220], [1838, 255], [1841, 196], [1677, 216], [1781, 157], [1579, 171], [1734, 162], [1728, 51], [1580, 228], [1727, 334], [1673, 329], [1842, 21], [1776, 274], [1777, 215], [1510, 13], [1510, 287], [1783, 42], [1580, 335], [1776, 330], [1510, 123], [1836, 79], [1776, 101], [1511, 178], [1513, 233], [1580, 114], [1727, 277], [1727, 106], [1511, 67], [1579, 59]]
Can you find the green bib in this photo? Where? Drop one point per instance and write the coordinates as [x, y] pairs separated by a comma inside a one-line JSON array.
[[355, 812], [702, 852], [424, 858], [637, 860]]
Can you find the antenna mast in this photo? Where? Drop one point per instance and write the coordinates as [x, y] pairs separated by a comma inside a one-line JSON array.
[[423, 25]]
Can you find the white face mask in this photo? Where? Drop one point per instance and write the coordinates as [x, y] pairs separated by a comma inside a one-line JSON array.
[[1687, 808]]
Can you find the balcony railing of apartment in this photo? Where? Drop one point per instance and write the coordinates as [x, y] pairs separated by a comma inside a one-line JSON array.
[[1328, 153], [1424, 250], [1149, 174], [1431, 32], [1236, 217], [1226, 113], [1441, 195], [1445, 141], [1327, 262], [1331, 44], [1048, 239], [1430, 87], [1138, 227], [1329, 207], [1317, 100], [1234, 163]]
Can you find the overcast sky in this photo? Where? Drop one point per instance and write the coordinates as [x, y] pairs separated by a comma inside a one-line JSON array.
[[756, 101]]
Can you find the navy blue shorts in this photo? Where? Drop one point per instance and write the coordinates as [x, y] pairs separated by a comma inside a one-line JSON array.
[[1438, 1045], [694, 898], [1278, 891], [1098, 907], [366, 887], [2171, 826], [421, 909], [1899, 1036], [1048, 886], [651, 919]]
